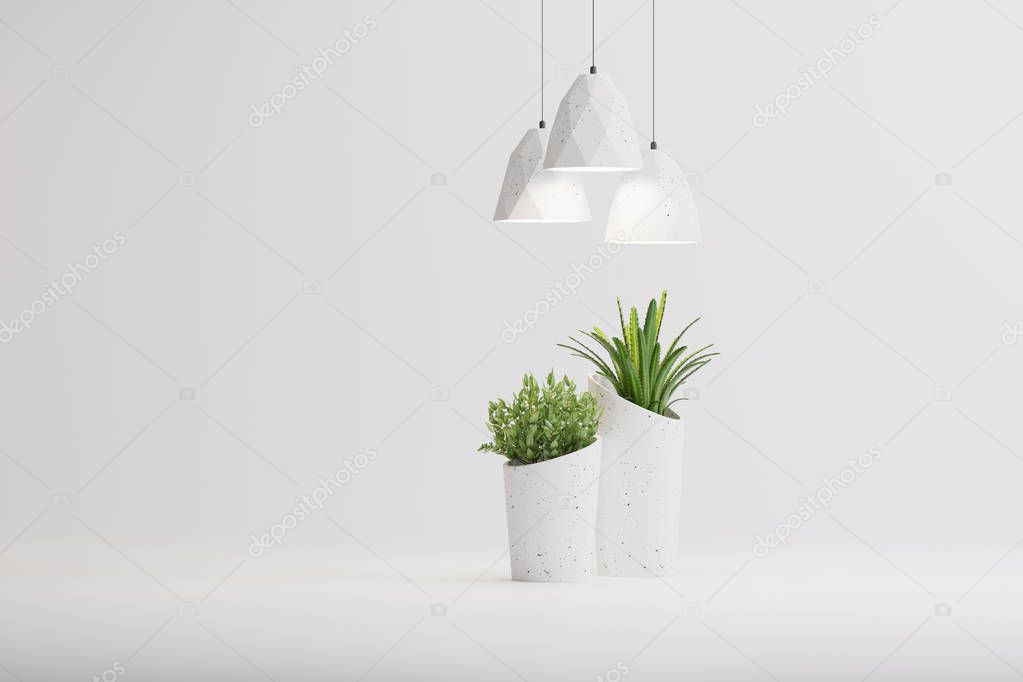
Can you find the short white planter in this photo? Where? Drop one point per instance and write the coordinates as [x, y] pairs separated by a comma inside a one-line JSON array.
[[640, 487], [552, 514]]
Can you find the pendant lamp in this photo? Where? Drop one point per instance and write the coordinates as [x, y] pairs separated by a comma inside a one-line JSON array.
[[593, 129], [654, 205], [531, 194]]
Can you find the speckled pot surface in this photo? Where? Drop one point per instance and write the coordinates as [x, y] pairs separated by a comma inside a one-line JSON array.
[[552, 513], [641, 487]]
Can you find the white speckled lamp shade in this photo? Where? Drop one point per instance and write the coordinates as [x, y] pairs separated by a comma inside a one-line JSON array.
[[552, 514], [531, 194], [593, 129], [654, 205]]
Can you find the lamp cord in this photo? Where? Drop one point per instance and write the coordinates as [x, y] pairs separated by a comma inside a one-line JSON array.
[[593, 36], [653, 74], [542, 123]]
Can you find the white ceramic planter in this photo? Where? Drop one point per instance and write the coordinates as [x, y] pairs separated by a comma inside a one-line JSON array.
[[552, 513], [640, 487]]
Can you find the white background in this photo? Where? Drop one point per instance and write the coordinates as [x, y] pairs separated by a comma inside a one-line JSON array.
[[845, 286]]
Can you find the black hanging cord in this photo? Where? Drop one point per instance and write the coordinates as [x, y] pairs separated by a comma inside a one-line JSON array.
[[653, 74], [543, 124], [593, 36]]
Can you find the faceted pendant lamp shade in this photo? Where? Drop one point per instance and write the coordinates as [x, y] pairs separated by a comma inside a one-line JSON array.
[[531, 194], [593, 129], [654, 205]]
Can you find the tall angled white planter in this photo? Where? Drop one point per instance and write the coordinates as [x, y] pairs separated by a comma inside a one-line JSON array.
[[552, 513], [639, 506]]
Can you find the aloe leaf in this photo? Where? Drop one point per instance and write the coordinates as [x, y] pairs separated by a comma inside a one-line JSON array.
[[688, 326], [627, 371], [633, 345], [586, 353], [660, 312], [621, 319], [650, 323]]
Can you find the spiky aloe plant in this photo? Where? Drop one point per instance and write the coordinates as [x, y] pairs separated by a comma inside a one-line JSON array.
[[637, 369]]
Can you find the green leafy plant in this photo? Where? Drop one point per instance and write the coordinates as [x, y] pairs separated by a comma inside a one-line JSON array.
[[543, 421], [637, 370]]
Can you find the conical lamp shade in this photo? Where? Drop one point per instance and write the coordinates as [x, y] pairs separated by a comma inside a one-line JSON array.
[[531, 194], [593, 129], [654, 205]]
